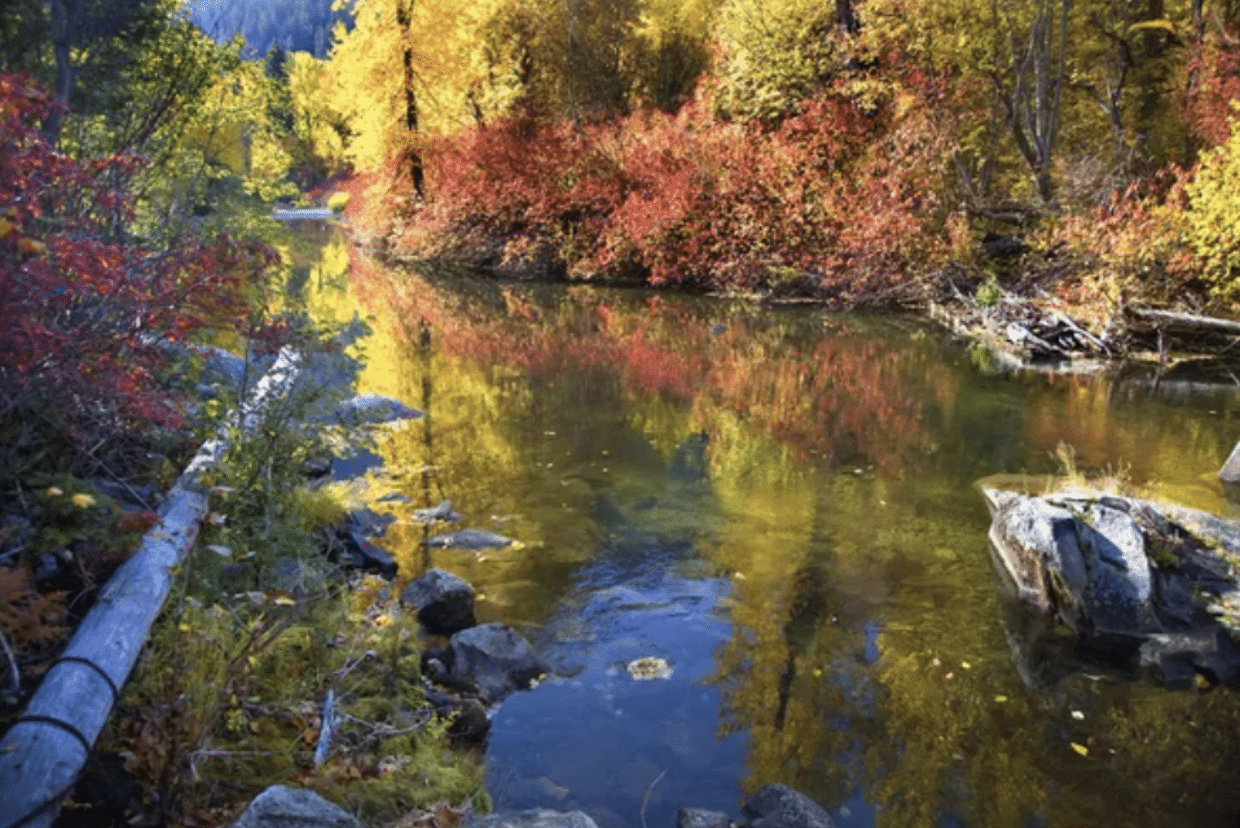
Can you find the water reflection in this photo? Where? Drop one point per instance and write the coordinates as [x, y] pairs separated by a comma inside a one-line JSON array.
[[779, 503]]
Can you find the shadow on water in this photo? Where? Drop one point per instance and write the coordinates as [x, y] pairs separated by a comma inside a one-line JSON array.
[[779, 503]]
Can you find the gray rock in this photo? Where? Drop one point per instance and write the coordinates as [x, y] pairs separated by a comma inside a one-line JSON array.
[[702, 818], [223, 366], [283, 807], [1150, 589], [374, 409], [495, 658], [442, 511], [444, 602], [368, 523], [394, 497], [535, 818], [778, 806], [470, 539], [371, 558]]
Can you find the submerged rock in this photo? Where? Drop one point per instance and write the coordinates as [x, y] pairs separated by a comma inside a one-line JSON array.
[[702, 818], [778, 806], [470, 539], [283, 807], [1146, 588], [442, 511], [534, 818], [374, 409]]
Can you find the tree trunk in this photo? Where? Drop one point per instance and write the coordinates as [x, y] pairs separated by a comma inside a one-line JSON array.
[[1037, 74], [63, 13], [846, 16], [417, 173]]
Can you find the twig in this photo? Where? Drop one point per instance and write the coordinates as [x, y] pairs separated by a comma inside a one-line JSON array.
[[17, 678], [646, 798], [327, 729]]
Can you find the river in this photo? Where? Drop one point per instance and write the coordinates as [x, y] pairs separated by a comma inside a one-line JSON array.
[[779, 502]]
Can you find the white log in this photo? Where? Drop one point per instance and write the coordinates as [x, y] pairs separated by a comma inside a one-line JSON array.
[[40, 760]]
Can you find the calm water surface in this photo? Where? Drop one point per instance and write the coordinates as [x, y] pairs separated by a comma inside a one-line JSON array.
[[780, 503]]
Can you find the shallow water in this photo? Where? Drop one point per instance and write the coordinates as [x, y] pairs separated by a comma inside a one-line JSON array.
[[780, 503]]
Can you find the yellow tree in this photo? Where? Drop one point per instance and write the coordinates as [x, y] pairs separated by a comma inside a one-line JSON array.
[[405, 71]]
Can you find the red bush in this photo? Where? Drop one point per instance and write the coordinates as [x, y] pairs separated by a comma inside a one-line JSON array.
[[81, 309], [836, 202]]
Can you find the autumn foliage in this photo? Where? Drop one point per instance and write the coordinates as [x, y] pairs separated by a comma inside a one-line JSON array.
[[84, 308], [835, 202]]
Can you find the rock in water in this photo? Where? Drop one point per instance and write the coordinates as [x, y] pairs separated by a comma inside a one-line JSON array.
[[778, 806], [283, 807], [444, 603], [535, 818], [702, 818], [1148, 588], [496, 659], [374, 409], [442, 511], [470, 539]]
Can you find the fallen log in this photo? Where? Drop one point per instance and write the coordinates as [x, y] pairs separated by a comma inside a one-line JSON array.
[[1187, 322], [44, 751]]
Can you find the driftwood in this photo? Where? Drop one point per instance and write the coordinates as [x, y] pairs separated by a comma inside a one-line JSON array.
[[44, 751], [1187, 322]]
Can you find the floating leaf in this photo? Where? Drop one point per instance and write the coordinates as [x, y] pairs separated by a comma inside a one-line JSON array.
[[1000, 699], [1081, 749], [649, 667], [966, 665]]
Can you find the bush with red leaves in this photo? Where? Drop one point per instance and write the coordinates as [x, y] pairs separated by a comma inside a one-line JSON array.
[[83, 309]]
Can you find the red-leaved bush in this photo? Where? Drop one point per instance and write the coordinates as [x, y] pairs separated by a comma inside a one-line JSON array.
[[837, 202], [82, 309]]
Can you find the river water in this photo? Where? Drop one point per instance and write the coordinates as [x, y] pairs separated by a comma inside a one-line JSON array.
[[778, 502]]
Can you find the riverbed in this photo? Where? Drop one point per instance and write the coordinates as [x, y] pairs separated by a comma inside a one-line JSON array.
[[779, 503]]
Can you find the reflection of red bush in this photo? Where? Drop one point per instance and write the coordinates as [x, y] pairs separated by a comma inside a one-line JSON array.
[[80, 307]]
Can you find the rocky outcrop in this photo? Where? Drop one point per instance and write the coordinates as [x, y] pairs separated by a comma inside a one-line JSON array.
[[444, 603], [1148, 589], [282, 807], [495, 658]]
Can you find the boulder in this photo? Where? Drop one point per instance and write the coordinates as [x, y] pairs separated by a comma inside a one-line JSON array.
[[444, 603], [778, 806], [1148, 589], [534, 818], [470, 539], [283, 807], [702, 818], [374, 409], [495, 658]]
